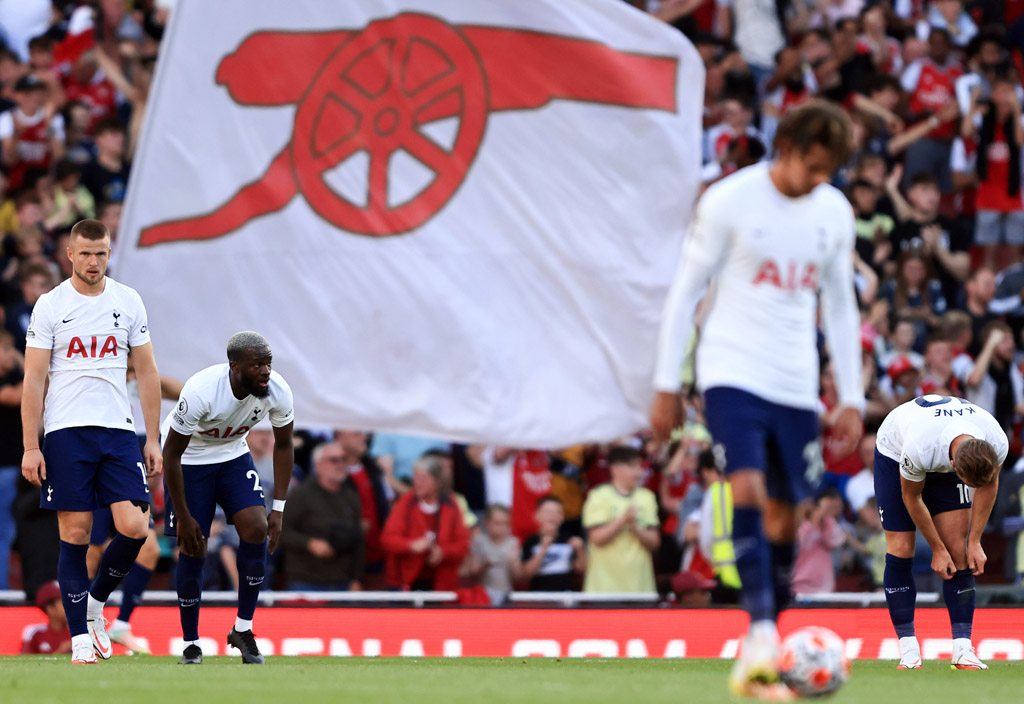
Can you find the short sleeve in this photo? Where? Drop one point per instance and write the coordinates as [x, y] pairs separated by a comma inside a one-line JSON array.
[[283, 411], [597, 510], [648, 510], [40, 326], [910, 468], [138, 335], [189, 411]]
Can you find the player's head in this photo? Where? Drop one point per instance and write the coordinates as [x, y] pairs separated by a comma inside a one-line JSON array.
[[812, 141], [89, 250], [250, 359], [976, 462], [626, 466]]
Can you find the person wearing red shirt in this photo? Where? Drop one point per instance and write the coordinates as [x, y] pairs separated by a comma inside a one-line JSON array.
[[368, 480], [425, 537], [1000, 210], [930, 82], [51, 637], [88, 84], [31, 134]]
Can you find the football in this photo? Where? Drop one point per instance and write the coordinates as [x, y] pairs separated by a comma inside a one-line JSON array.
[[813, 662]]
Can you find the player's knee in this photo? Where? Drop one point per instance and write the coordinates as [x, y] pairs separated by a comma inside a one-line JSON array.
[[251, 526]]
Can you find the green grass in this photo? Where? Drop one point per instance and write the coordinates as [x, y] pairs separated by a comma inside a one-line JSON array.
[[154, 680]]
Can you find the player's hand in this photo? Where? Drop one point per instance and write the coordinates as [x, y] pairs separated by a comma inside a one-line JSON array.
[[666, 414], [33, 466], [976, 559], [275, 524], [153, 457], [847, 431], [320, 548], [943, 565], [435, 556], [190, 537]]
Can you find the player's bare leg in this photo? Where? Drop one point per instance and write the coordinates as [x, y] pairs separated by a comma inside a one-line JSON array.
[[958, 592], [251, 524], [901, 595], [73, 576], [756, 671]]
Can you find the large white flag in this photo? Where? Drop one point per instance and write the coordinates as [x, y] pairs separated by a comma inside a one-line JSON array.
[[448, 218]]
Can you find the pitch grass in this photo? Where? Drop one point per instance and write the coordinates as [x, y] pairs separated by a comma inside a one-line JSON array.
[[308, 680]]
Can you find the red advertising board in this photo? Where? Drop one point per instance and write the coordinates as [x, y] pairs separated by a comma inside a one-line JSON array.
[[672, 633]]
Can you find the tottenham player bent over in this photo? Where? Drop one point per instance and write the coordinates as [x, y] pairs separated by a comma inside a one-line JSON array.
[[937, 462], [207, 462]]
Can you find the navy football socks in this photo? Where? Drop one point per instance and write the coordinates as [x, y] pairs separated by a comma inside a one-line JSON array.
[[188, 580], [783, 555], [958, 593], [73, 576], [753, 562], [901, 593], [134, 584], [117, 561], [252, 567]]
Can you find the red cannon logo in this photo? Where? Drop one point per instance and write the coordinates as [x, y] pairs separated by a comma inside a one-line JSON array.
[[374, 90]]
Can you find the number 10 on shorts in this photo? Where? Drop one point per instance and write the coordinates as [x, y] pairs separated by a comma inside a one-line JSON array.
[[965, 493], [145, 479]]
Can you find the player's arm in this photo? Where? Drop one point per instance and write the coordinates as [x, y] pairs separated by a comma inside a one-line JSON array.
[[284, 462], [37, 364], [913, 499], [703, 253], [984, 500], [149, 396], [841, 321], [190, 537]]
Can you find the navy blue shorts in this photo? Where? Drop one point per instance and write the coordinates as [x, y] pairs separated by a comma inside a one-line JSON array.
[[781, 441], [942, 492], [234, 484], [91, 467]]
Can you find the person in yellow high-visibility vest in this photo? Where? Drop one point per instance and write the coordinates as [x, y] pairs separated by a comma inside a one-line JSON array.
[[716, 532]]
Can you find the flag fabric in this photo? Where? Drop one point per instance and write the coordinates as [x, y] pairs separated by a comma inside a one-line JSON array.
[[448, 218]]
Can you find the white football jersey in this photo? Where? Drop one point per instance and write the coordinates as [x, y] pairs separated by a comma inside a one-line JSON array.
[[917, 434], [217, 421], [767, 256], [89, 338]]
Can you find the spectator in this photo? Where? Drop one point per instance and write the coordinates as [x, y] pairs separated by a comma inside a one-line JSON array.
[[950, 16], [396, 454], [692, 589], [368, 479], [552, 557], [984, 55], [53, 636], [915, 296], [873, 227], [901, 344], [35, 279], [940, 239], [996, 383], [861, 487], [106, 176], [760, 33], [425, 538], [88, 84], [31, 134], [929, 80], [621, 520], [681, 473], [11, 373], [819, 534], [517, 479], [79, 143], [322, 530], [495, 555], [71, 201], [901, 380], [693, 557], [981, 290], [937, 376], [1000, 209]]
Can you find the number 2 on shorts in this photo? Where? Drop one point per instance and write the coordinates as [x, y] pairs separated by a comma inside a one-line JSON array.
[[254, 475]]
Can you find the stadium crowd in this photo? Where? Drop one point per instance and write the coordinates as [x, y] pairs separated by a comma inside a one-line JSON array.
[[934, 92]]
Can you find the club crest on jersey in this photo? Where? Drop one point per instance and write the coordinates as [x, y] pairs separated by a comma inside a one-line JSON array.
[[116, 316], [182, 405], [793, 277], [79, 347]]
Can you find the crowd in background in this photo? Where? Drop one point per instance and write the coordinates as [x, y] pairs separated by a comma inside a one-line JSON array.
[[934, 92]]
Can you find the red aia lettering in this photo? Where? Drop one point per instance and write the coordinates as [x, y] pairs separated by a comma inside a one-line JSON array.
[[77, 347], [794, 280], [229, 431]]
